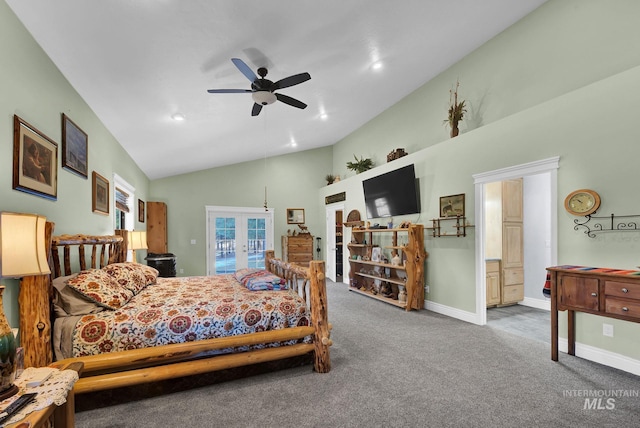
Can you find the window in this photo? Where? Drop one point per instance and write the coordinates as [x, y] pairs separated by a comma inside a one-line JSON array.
[[123, 203]]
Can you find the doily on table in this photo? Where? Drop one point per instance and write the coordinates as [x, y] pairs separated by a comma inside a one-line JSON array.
[[52, 391]]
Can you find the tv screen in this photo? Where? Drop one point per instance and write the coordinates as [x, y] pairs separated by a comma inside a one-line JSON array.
[[391, 194]]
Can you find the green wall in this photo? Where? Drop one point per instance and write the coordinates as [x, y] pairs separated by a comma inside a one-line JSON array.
[[292, 181], [33, 88], [551, 85], [561, 82]]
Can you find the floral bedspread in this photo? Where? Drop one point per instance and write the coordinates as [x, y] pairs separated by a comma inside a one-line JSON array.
[[176, 310]]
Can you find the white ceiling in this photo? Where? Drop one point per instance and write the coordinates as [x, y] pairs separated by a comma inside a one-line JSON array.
[[138, 62]]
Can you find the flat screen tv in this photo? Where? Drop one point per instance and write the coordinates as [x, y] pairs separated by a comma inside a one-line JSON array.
[[393, 193]]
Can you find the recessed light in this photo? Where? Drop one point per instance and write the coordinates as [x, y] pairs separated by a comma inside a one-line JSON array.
[[178, 116], [376, 65], [324, 116]]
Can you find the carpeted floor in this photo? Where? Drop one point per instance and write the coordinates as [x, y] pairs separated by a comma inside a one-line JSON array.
[[391, 368]]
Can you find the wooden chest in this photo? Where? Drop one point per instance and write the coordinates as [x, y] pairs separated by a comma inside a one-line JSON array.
[[298, 249]]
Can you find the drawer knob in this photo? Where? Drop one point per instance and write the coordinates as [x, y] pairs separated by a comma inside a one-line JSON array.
[[625, 290], [594, 294], [625, 309]]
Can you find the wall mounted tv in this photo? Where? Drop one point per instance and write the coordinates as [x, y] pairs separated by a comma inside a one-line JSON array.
[[393, 193]]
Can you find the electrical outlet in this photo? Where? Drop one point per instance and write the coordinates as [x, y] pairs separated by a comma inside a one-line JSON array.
[[193, 242], [607, 330], [426, 289], [181, 270]]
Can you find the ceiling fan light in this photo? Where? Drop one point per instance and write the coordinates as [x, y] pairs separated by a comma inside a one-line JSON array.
[[263, 97]]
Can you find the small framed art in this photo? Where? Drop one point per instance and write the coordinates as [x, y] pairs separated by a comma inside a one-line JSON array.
[[75, 144], [295, 215], [100, 194], [35, 161], [140, 210], [452, 206]]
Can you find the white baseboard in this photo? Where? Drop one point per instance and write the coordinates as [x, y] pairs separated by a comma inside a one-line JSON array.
[[600, 356], [544, 304], [470, 317]]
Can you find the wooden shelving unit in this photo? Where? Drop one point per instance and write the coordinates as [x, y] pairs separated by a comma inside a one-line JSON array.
[[381, 279]]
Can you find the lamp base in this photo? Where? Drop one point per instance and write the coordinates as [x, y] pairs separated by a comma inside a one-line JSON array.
[[13, 390]]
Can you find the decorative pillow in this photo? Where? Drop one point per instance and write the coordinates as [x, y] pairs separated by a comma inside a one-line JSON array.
[[260, 279], [133, 276], [101, 288], [68, 302]]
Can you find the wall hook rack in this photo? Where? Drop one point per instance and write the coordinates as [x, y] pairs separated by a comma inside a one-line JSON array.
[[611, 223]]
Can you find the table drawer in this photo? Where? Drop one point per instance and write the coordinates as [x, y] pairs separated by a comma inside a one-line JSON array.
[[627, 308], [622, 289]]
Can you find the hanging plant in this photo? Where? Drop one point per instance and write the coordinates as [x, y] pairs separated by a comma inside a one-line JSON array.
[[360, 165], [456, 111]]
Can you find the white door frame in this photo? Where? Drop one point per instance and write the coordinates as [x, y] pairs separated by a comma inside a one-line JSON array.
[[215, 209], [330, 245], [549, 166]]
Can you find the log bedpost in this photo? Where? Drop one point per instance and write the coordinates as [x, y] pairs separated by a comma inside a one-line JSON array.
[[319, 317], [35, 315], [415, 267]]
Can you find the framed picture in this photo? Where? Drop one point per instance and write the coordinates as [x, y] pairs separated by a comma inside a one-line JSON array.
[[74, 147], [452, 206], [376, 254], [35, 161], [140, 210], [100, 194], [295, 215]]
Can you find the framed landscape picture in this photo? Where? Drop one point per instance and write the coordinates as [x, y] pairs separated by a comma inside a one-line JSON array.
[[452, 206], [295, 215], [99, 194], [74, 147], [35, 161]]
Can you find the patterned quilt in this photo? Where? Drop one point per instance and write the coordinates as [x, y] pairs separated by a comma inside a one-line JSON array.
[[176, 310]]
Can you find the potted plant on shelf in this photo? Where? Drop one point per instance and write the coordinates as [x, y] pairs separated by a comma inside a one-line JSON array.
[[456, 111], [330, 178], [360, 165]]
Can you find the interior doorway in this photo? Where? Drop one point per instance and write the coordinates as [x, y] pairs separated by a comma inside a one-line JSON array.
[[540, 226], [334, 246]]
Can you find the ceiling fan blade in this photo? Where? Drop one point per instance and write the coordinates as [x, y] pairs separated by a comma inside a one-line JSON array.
[[290, 81], [244, 69], [228, 91], [291, 101], [256, 109]]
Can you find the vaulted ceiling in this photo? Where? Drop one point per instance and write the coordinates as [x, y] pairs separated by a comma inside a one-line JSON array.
[[139, 63]]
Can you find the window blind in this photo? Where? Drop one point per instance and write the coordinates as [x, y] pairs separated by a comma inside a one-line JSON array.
[[122, 200]]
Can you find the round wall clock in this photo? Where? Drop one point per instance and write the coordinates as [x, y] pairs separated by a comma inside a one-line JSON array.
[[582, 202]]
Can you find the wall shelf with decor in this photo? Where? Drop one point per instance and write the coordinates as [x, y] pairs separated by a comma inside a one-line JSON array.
[[459, 224], [396, 277]]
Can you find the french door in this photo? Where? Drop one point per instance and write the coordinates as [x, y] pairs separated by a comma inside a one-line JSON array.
[[237, 237]]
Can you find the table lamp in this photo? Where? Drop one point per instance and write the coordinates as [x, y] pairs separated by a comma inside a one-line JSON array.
[[23, 252], [136, 240]]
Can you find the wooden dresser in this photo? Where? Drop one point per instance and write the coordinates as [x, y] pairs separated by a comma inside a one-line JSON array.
[[612, 293], [298, 249]]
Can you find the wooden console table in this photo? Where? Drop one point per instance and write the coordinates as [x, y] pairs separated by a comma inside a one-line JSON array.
[[612, 293]]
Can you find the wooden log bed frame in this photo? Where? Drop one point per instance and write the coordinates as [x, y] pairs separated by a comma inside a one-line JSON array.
[[133, 367]]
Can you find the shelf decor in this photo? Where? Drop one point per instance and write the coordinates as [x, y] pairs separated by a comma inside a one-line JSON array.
[[396, 283]]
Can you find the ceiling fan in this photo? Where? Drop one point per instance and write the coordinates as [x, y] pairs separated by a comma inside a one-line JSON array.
[[262, 90]]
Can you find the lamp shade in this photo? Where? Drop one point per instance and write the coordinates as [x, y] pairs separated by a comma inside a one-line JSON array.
[[22, 245], [137, 240]]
